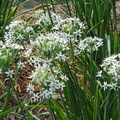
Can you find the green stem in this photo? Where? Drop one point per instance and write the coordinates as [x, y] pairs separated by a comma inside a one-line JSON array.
[[49, 12], [64, 106], [53, 6], [50, 109], [119, 104]]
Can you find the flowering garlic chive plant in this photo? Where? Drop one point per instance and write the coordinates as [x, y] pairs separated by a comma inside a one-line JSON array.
[[18, 32], [72, 26], [44, 21], [109, 76], [50, 81]]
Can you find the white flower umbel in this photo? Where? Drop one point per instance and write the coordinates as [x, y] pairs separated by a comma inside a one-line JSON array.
[[38, 14], [51, 44], [44, 21], [72, 26], [17, 32], [90, 44], [109, 76], [50, 82]]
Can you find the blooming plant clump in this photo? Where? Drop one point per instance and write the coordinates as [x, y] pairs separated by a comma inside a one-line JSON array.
[[52, 53], [18, 32], [55, 61], [55, 46], [109, 76], [47, 49]]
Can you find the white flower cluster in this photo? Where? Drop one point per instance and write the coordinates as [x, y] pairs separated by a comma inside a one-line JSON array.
[[71, 26], [51, 44], [90, 44], [44, 21], [9, 45], [109, 77], [17, 32], [50, 81], [38, 14]]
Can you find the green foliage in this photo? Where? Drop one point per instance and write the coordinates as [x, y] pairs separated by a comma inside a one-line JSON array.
[[8, 9], [80, 97]]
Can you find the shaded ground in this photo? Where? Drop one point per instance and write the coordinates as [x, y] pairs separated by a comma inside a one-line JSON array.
[[33, 3]]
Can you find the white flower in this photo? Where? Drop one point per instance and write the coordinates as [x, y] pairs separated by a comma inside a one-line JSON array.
[[40, 75], [30, 88], [53, 85], [9, 73], [105, 85], [47, 62], [60, 85], [78, 33], [61, 57], [35, 61], [28, 52], [113, 86], [28, 29], [20, 37], [20, 65], [64, 77], [56, 70], [76, 52], [99, 73], [35, 97], [82, 46], [47, 94]]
